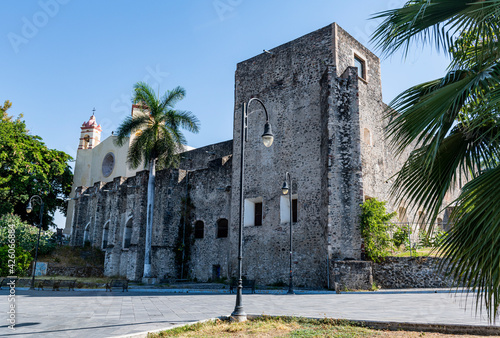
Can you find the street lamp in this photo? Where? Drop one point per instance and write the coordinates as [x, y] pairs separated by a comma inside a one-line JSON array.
[[29, 208], [267, 138], [287, 189]]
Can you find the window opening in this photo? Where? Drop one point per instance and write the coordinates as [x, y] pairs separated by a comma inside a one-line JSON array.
[[222, 228], [199, 229]]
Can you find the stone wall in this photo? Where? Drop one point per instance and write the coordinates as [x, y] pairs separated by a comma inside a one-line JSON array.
[[392, 273], [199, 158], [409, 272], [351, 275], [115, 204], [75, 271], [210, 192]]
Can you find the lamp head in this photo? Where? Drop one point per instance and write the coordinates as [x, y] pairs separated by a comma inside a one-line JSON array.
[[267, 137], [29, 207], [285, 188]]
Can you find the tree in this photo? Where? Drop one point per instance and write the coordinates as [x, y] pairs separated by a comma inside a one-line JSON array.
[[28, 167], [454, 121], [375, 227], [157, 140]]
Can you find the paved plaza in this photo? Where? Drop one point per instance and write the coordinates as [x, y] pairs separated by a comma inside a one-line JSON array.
[[101, 314]]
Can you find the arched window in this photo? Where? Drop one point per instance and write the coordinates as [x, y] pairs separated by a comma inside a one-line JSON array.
[[127, 236], [447, 220], [222, 228], [422, 217], [86, 141], [403, 218], [86, 234], [367, 136], [440, 224], [199, 229], [105, 233]]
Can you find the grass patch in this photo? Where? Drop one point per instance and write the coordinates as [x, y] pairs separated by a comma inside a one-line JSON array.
[[267, 326], [68, 256], [296, 327], [422, 252]]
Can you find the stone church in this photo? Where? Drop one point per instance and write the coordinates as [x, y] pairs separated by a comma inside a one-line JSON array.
[[324, 97]]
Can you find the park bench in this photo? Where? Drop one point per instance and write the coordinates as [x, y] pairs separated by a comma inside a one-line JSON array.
[[117, 283], [246, 283], [56, 284], [70, 284]]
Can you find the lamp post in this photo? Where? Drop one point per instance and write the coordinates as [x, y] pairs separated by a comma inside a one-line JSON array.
[[267, 138], [29, 208], [287, 189]]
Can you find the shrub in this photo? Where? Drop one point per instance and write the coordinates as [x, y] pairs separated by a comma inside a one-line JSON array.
[[400, 236], [375, 227], [26, 235], [431, 240], [22, 261]]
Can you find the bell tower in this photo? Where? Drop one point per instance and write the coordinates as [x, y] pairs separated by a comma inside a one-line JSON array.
[[90, 135]]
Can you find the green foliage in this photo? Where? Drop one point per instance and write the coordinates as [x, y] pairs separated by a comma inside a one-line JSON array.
[[27, 168], [3, 109], [400, 236], [26, 235], [453, 127], [375, 227], [157, 129], [431, 240], [22, 261]]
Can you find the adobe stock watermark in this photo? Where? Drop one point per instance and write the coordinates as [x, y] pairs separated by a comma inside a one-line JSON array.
[[31, 26], [224, 8], [363, 35], [11, 265]]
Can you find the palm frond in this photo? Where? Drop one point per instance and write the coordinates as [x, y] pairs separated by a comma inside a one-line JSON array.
[[171, 97], [467, 150], [129, 125], [472, 247], [438, 22], [143, 93], [426, 112]]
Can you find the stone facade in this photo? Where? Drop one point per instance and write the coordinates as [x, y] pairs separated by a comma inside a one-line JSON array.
[[328, 129]]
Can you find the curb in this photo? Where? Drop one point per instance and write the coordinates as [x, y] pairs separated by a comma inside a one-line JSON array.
[[144, 334], [481, 330]]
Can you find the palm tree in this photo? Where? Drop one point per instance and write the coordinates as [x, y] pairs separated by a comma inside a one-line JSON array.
[[453, 123], [156, 140]]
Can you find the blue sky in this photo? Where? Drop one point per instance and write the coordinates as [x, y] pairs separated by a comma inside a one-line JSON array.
[[61, 58]]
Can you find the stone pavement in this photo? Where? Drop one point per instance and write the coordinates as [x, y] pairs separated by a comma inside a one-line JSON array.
[[101, 314]]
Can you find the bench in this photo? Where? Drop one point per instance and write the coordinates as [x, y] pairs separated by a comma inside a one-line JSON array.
[[117, 283], [56, 284], [70, 284], [246, 283]]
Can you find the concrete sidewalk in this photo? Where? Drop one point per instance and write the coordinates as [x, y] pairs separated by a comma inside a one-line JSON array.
[[101, 314]]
